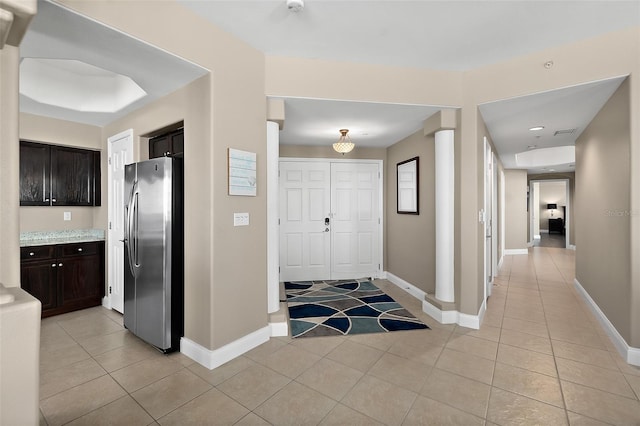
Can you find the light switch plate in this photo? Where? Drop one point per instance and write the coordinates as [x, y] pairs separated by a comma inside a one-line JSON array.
[[67, 215], [240, 219]]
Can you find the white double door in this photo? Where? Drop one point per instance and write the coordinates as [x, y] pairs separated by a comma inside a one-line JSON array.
[[330, 220]]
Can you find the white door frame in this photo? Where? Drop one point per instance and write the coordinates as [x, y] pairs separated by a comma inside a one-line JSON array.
[[488, 219], [380, 164], [106, 301], [567, 219]]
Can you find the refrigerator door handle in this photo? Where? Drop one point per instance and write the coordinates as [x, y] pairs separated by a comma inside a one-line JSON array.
[[136, 257], [129, 231]]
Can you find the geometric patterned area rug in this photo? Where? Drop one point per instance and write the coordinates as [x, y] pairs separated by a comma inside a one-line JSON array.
[[338, 308]]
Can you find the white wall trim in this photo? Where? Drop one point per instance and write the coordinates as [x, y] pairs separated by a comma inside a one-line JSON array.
[[516, 251], [443, 317], [106, 302], [279, 329], [572, 246], [406, 286], [537, 237], [215, 358], [273, 226], [629, 353]]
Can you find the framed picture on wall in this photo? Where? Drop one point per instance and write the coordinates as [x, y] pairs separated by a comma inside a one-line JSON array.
[[407, 182]]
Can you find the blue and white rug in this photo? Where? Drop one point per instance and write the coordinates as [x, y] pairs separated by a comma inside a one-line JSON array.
[[337, 308]]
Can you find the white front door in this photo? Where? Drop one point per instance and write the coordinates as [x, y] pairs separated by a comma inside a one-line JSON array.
[[330, 220], [120, 152], [305, 207], [355, 221]]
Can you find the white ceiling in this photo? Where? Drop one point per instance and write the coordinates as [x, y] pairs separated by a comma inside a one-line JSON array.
[[446, 35], [574, 107], [374, 125], [58, 33]]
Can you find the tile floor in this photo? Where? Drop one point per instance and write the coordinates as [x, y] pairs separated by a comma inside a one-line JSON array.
[[539, 358]]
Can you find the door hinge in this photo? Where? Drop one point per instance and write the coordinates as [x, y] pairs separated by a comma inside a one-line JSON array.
[[109, 224], [109, 289], [109, 160]]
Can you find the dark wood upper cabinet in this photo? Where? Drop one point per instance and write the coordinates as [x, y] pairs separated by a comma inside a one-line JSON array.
[[52, 175], [169, 144], [35, 174]]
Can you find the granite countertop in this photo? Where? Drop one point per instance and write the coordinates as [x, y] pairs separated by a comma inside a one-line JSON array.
[[41, 238]]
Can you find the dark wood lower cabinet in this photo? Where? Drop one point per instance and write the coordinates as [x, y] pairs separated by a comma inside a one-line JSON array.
[[64, 277]]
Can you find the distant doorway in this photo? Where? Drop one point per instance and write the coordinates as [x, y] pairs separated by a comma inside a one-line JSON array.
[[549, 213]]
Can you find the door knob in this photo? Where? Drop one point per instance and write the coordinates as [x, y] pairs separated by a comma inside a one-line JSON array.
[[326, 221]]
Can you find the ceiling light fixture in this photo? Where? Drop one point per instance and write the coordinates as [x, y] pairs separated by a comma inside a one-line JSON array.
[[295, 5], [536, 128], [344, 144]]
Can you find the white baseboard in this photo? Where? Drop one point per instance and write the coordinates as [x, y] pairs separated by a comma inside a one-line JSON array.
[[572, 246], [406, 286], [500, 262], [443, 317], [544, 231], [516, 251], [279, 329], [629, 353], [215, 358], [537, 237], [106, 302]]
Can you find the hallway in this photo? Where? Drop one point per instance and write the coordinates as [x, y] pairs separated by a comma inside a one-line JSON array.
[[540, 357]]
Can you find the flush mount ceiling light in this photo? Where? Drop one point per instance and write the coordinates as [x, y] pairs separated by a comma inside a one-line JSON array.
[[344, 144], [536, 128]]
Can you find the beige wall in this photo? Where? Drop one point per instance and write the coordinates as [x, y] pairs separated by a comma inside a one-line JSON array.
[[227, 299], [603, 260], [515, 199], [9, 167], [60, 132], [410, 239]]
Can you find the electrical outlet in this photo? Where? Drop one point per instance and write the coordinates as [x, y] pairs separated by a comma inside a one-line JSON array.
[[67, 215], [240, 219]]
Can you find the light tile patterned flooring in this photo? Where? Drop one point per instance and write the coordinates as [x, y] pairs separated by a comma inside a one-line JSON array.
[[539, 358]]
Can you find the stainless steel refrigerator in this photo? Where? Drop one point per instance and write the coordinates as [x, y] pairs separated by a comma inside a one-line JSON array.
[[153, 244]]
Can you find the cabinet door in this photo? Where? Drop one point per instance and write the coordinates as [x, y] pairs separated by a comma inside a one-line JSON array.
[[72, 181], [177, 143], [34, 174], [171, 143], [80, 280], [38, 278], [159, 146]]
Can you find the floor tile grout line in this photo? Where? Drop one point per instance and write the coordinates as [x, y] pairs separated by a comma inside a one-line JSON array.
[[555, 363]]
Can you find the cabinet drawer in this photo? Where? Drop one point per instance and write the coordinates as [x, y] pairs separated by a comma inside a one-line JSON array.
[[79, 249], [36, 253]]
